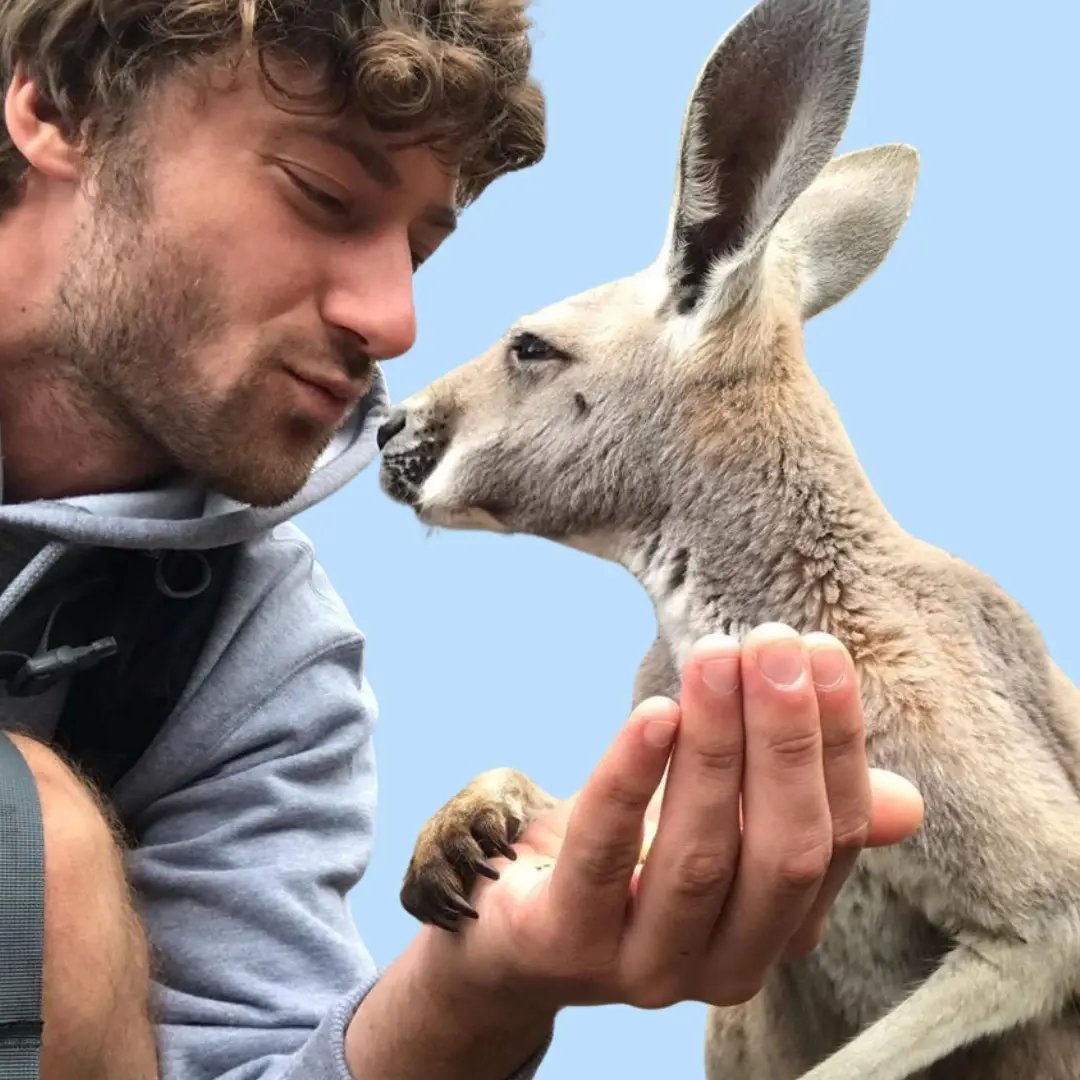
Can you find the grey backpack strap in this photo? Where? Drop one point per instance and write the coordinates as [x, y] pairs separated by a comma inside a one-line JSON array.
[[22, 917]]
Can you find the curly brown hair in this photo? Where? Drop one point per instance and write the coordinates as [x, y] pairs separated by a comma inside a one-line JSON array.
[[456, 72]]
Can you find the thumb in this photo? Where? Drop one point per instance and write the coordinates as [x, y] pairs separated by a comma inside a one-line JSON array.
[[896, 808]]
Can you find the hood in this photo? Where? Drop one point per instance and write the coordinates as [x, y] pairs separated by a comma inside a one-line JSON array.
[[187, 515]]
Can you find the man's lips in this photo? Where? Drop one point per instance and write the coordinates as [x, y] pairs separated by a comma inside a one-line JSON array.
[[330, 395], [340, 388]]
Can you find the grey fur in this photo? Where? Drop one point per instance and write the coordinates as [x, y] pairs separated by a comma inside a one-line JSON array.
[[843, 225], [712, 465], [745, 154]]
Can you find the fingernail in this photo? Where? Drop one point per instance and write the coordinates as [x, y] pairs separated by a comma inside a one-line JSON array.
[[781, 657], [721, 676], [660, 734], [719, 658], [828, 661]]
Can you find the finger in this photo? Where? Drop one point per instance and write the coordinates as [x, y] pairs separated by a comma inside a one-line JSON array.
[[896, 808], [691, 863], [787, 834], [589, 886], [847, 776], [890, 806]]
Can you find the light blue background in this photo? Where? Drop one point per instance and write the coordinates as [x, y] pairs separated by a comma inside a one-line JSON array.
[[955, 368]]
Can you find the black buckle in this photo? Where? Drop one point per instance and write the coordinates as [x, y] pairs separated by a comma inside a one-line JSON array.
[[45, 670]]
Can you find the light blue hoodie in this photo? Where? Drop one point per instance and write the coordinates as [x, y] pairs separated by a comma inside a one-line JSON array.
[[253, 809]]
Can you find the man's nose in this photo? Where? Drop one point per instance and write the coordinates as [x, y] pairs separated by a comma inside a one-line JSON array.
[[373, 300]]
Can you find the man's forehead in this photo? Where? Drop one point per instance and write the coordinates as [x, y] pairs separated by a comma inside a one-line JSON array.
[[282, 100]]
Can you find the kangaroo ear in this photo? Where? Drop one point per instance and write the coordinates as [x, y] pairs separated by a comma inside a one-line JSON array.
[[765, 117], [841, 228]]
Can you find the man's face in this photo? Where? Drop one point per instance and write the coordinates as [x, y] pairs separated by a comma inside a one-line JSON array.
[[226, 304]]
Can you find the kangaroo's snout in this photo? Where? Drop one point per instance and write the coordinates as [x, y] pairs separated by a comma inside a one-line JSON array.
[[394, 425], [412, 443]]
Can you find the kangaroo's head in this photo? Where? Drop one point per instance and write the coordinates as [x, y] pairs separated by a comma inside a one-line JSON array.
[[581, 420]]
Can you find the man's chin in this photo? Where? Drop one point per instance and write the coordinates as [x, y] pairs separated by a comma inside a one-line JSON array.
[[261, 498], [275, 472], [263, 488]]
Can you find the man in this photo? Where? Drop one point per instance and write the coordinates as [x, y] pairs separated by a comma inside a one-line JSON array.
[[210, 214]]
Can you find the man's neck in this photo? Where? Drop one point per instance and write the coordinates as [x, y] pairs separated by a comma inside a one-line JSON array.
[[57, 444]]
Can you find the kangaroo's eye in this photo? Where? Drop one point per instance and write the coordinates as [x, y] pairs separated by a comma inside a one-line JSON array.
[[529, 348]]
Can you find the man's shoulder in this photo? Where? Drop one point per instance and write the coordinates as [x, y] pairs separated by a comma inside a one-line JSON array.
[[281, 668], [278, 578]]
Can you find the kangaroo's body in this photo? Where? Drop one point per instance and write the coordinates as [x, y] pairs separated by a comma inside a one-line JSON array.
[[669, 421]]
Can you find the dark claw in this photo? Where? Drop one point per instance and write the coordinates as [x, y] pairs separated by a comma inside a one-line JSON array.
[[443, 922], [482, 866], [460, 906], [507, 850]]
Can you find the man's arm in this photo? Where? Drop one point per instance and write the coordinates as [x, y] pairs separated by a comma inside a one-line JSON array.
[[242, 870], [253, 815], [423, 1020]]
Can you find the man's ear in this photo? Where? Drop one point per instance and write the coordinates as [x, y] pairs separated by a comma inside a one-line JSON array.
[[35, 127]]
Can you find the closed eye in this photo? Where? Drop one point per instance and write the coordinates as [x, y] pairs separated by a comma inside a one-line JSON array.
[[340, 211], [326, 202]]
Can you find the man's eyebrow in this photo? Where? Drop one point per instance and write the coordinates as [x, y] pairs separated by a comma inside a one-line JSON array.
[[375, 163]]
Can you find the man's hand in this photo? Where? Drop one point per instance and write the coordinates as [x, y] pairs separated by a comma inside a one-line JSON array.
[[716, 905], [767, 804]]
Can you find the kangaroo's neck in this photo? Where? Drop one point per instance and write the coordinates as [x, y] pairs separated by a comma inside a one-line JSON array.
[[781, 525]]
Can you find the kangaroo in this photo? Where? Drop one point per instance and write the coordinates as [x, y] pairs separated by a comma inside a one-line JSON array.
[[669, 421]]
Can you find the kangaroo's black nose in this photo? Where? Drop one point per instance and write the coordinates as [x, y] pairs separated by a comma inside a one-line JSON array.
[[393, 424]]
